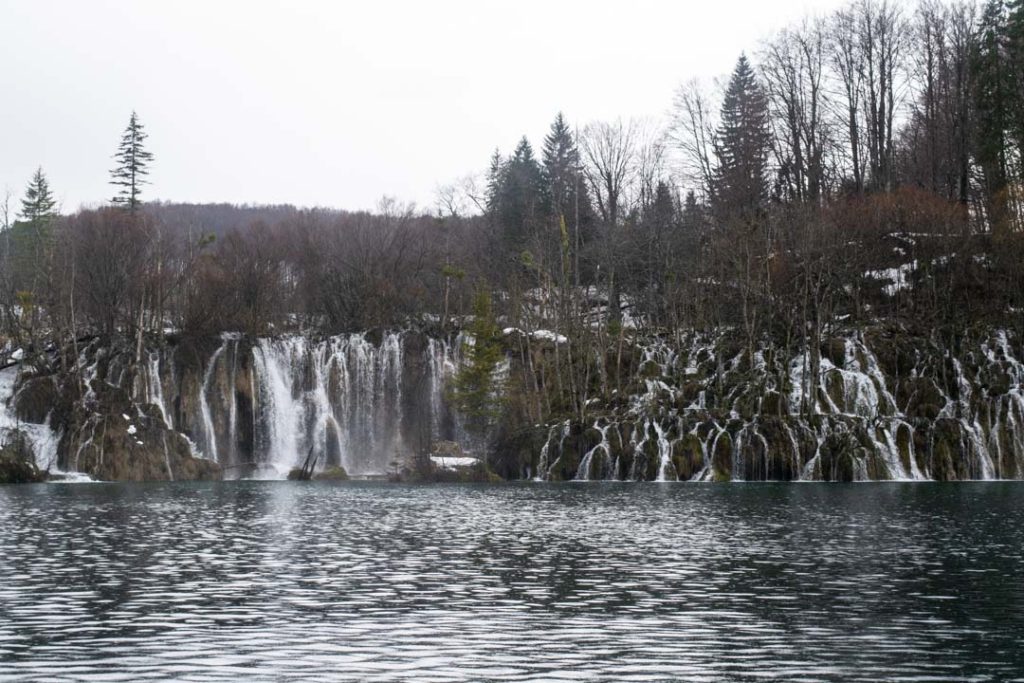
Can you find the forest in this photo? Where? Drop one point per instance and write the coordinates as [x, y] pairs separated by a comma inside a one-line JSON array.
[[855, 167]]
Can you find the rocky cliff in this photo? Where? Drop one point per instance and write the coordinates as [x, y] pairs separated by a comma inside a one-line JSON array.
[[878, 404], [874, 404]]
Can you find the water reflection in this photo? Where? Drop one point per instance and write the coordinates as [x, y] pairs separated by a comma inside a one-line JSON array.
[[623, 582]]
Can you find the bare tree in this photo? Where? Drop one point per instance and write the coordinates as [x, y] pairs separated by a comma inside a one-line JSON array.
[[609, 165], [693, 133], [793, 66], [882, 36], [848, 62]]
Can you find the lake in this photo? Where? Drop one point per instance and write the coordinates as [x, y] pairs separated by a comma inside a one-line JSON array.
[[577, 582]]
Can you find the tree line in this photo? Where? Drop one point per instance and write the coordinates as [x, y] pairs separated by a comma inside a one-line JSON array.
[[856, 167]]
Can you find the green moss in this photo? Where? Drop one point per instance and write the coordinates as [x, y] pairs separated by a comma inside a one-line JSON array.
[[333, 473], [835, 386], [835, 350], [16, 463], [721, 459], [687, 456], [904, 440], [649, 370]]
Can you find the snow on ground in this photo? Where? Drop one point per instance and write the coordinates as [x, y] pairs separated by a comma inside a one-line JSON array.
[[897, 279], [450, 463], [540, 335]]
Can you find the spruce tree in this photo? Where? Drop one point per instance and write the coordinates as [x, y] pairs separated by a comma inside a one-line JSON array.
[[561, 162], [991, 101], [38, 205], [33, 241], [132, 166], [494, 179], [742, 147], [1015, 52], [474, 390], [520, 197]]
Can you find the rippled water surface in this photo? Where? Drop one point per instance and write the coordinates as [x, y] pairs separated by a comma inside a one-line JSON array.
[[616, 582]]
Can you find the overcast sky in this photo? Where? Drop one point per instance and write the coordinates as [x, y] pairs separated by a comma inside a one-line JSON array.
[[336, 103]]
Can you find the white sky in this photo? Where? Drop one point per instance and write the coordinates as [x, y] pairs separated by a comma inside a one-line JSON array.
[[337, 103]]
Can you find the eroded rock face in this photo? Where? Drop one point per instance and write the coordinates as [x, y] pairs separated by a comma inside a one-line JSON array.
[[194, 408], [17, 463], [111, 437], [886, 404], [98, 427]]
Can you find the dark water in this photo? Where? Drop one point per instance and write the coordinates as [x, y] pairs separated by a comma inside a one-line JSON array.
[[616, 582]]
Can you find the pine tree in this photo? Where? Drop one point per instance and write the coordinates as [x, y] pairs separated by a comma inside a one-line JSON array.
[[38, 206], [132, 166], [742, 147]]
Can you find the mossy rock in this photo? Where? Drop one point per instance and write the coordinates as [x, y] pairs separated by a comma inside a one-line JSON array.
[[721, 458], [904, 444], [36, 399], [333, 473], [835, 350], [688, 456], [614, 437], [17, 465], [835, 385], [836, 456], [774, 403], [997, 381], [942, 461], [946, 451], [649, 370], [921, 448], [591, 438], [877, 468], [823, 402], [784, 461], [924, 399], [748, 404]]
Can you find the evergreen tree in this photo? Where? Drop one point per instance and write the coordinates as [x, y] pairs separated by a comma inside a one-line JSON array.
[[992, 100], [494, 179], [521, 199], [132, 166], [32, 241], [38, 206], [561, 166], [743, 143], [1015, 49], [473, 390], [567, 190]]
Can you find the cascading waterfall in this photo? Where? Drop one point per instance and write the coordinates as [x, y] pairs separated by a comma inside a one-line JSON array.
[[209, 433], [342, 401], [845, 423], [40, 437], [700, 412]]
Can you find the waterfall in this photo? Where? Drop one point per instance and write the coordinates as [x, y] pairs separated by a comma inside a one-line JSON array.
[[583, 473], [209, 433], [665, 466], [42, 440], [952, 419], [154, 387]]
